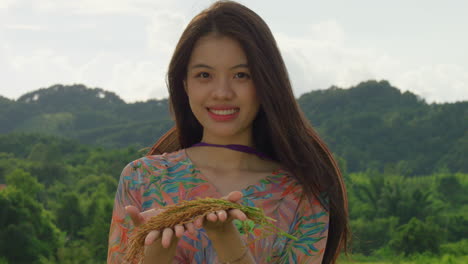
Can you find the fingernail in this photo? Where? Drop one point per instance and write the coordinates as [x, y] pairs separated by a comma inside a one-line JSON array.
[[148, 241]]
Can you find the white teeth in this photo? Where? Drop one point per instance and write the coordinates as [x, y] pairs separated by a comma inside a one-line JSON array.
[[224, 112]]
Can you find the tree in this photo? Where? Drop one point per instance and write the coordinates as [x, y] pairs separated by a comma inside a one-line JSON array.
[[450, 189], [96, 232], [28, 233], [416, 237], [25, 182], [370, 235], [70, 217]]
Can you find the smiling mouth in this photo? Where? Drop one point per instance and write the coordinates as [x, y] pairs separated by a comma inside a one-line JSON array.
[[224, 111]]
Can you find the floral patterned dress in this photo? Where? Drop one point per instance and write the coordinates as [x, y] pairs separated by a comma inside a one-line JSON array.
[[160, 180]]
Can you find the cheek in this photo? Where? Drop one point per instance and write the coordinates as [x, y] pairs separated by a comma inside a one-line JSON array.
[[195, 100]]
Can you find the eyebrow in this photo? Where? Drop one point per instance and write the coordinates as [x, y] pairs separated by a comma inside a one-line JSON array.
[[200, 65]]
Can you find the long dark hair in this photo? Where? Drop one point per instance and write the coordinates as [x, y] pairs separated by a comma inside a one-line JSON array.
[[280, 129]]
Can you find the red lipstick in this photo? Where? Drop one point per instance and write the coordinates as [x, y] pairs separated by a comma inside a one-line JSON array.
[[223, 117]]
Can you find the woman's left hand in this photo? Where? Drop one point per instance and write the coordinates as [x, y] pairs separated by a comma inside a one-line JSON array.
[[223, 233], [217, 222]]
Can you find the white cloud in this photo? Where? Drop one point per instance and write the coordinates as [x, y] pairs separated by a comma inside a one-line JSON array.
[[90, 7], [163, 31], [131, 79], [322, 57], [133, 75], [140, 37], [4, 4], [30, 27], [43, 66], [436, 83], [138, 80], [328, 31]]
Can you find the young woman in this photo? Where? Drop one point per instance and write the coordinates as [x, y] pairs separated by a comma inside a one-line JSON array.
[[241, 136]]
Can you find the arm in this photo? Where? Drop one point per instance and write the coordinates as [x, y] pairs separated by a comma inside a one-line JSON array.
[[127, 194], [224, 235], [127, 214], [229, 245], [155, 249]]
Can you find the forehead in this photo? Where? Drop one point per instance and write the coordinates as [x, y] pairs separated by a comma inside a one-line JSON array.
[[218, 51]]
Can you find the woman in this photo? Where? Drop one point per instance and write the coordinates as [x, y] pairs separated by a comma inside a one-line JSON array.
[[228, 85]]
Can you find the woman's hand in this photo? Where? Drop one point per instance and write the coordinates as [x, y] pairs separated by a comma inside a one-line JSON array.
[[223, 233], [164, 249], [216, 222], [218, 226], [167, 235]]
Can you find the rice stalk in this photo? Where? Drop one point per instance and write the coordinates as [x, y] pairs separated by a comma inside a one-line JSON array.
[[186, 212]]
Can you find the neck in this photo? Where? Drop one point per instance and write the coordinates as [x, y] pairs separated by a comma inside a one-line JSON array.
[[222, 158], [242, 140]]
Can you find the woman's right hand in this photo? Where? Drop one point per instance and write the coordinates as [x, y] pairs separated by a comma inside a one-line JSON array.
[[164, 249]]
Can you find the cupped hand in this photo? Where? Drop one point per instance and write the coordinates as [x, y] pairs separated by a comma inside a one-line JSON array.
[[166, 235], [216, 221]]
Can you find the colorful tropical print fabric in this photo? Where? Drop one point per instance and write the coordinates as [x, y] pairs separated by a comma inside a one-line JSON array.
[[160, 180]]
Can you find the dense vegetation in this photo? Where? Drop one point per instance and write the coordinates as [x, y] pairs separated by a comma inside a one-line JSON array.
[[372, 125], [58, 199], [92, 116], [403, 160]]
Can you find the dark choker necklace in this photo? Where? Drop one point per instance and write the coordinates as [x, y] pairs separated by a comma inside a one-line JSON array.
[[241, 148]]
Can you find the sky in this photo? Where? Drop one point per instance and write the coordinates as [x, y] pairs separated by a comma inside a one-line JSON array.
[[124, 46]]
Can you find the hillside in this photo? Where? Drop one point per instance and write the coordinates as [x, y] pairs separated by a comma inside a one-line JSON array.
[[62, 151], [93, 116], [371, 126]]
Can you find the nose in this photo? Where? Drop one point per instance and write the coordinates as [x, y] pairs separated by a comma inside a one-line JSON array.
[[223, 89]]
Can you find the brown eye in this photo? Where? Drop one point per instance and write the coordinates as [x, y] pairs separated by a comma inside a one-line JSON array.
[[242, 75], [203, 75]]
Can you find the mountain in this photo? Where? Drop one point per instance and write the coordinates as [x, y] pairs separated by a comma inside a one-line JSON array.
[[93, 116], [372, 125]]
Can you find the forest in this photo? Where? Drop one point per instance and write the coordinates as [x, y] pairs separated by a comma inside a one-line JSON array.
[[62, 150]]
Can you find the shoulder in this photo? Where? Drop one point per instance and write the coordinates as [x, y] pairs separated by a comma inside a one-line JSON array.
[[158, 162], [139, 169]]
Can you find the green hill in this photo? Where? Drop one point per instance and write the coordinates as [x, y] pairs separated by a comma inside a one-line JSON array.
[[63, 148], [93, 116], [372, 125]]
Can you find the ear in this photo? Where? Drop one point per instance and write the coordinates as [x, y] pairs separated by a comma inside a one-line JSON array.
[[185, 85]]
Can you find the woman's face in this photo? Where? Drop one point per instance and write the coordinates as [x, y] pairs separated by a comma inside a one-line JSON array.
[[220, 90]]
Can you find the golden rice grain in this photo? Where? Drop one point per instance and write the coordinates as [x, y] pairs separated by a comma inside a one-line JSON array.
[[186, 212]]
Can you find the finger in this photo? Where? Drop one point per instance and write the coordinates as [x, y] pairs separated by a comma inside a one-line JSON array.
[[237, 214], [212, 217], [191, 228], [150, 213], [135, 215], [179, 230], [167, 235], [222, 215], [234, 196], [151, 237], [199, 222]]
